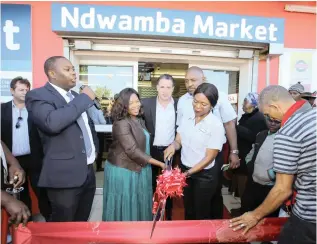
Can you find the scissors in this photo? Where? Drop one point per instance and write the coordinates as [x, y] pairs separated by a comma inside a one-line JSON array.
[[15, 192], [158, 215], [168, 163], [160, 212]]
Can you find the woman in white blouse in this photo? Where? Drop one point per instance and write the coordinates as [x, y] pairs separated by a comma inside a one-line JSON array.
[[200, 138]]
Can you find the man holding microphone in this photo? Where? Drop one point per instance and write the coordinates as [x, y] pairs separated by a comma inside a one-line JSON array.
[[69, 141]]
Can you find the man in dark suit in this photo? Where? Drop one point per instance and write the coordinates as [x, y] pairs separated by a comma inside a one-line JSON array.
[[69, 141], [160, 120], [21, 137]]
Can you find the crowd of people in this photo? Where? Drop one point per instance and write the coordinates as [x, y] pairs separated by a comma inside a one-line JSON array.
[[48, 137]]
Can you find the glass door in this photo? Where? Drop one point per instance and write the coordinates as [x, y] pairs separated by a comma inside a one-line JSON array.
[[226, 79], [107, 78]]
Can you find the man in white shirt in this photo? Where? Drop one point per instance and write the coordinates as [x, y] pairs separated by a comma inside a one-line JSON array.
[[69, 141], [224, 111], [160, 120]]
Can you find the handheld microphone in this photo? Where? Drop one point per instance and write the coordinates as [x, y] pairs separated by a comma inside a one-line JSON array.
[[96, 103]]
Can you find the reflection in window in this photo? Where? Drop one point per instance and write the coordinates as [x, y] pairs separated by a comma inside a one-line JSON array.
[[111, 78], [106, 81]]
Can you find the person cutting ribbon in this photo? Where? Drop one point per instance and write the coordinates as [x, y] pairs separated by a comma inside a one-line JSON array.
[[200, 138]]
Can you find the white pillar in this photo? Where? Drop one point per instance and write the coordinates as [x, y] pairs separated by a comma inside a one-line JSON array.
[[255, 72], [268, 59]]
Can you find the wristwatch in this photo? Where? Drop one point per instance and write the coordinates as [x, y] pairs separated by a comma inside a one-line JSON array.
[[235, 152]]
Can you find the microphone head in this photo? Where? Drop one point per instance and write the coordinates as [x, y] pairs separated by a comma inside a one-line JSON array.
[[78, 87]]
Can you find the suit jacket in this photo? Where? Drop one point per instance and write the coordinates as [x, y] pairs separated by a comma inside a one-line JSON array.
[[149, 107], [64, 161], [6, 136], [6, 124], [129, 144]]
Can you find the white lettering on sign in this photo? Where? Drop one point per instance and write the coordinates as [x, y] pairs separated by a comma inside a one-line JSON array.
[[245, 30], [124, 22], [146, 23], [106, 22], [87, 20], [10, 29], [222, 29], [272, 30], [200, 27], [260, 32], [73, 19], [233, 27], [179, 26], [162, 24]]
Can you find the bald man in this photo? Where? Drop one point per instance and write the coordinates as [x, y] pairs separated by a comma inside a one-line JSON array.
[[294, 158], [69, 141], [225, 112]]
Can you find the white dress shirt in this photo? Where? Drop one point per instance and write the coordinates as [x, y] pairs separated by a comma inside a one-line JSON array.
[[164, 124], [20, 136], [223, 109], [209, 133], [96, 115], [92, 157]]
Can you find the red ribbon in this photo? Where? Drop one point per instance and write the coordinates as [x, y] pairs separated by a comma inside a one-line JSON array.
[[170, 183]]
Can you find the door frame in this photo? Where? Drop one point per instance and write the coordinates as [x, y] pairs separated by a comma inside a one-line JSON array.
[[134, 65]]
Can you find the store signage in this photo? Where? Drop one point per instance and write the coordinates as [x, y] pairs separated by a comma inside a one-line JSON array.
[[301, 66], [233, 98], [16, 36], [161, 22]]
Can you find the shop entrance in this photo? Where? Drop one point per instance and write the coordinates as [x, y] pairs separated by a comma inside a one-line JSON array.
[[109, 68], [227, 81], [109, 79]]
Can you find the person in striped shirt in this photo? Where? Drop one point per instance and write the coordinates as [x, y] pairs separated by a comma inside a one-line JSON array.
[[294, 157]]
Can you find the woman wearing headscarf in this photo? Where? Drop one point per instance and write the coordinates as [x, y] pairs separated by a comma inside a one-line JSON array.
[[251, 123]]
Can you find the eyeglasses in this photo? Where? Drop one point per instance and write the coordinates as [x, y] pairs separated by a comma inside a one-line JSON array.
[[271, 120], [18, 125]]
